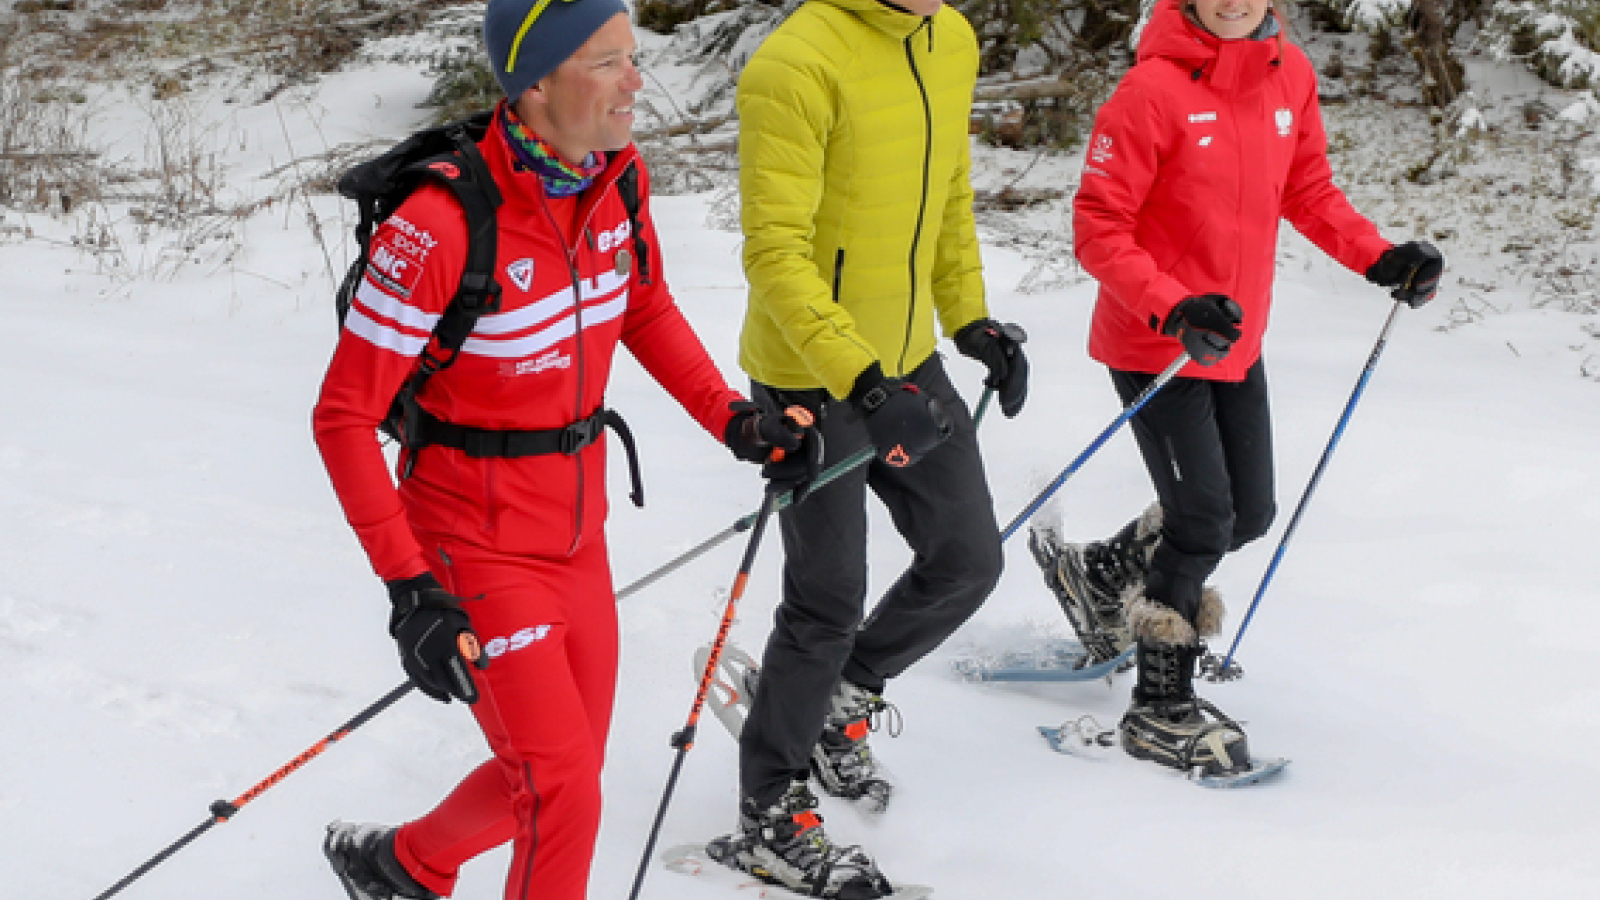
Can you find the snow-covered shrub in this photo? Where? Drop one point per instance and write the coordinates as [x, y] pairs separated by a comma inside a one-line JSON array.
[[1371, 15], [1557, 38]]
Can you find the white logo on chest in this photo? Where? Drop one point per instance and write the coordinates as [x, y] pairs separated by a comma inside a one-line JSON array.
[[1284, 119], [553, 359], [521, 273], [607, 240]]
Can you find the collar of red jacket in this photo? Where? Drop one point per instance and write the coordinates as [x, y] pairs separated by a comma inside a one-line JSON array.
[[1172, 35]]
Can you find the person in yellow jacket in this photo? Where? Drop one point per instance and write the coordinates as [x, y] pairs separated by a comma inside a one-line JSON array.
[[860, 248]]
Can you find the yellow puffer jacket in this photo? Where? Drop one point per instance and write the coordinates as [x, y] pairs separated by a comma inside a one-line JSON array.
[[857, 206]]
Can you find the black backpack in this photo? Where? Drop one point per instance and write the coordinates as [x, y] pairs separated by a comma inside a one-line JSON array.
[[447, 154]]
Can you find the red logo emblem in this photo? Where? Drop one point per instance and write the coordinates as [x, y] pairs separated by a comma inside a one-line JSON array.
[[447, 169]]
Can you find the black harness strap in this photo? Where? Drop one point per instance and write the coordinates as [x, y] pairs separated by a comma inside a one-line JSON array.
[[486, 443]]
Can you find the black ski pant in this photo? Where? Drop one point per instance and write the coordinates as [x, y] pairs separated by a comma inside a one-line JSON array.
[[1208, 448], [941, 507]]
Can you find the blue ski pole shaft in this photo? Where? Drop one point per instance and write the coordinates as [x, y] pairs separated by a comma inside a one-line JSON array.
[[1316, 477], [1072, 467]]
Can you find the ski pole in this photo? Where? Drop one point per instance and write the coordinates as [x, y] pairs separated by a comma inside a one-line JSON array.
[[1072, 467], [684, 739], [223, 810], [830, 474], [1305, 497]]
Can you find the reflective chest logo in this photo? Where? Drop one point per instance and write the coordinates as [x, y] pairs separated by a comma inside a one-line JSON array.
[[1199, 117], [609, 240], [553, 359], [1284, 119], [521, 273], [1205, 141]]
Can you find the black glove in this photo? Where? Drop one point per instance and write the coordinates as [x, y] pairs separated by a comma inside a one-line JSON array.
[[903, 422], [435, 638], [789, 447], [1000, 348], [1206, 325], [1412, 269]]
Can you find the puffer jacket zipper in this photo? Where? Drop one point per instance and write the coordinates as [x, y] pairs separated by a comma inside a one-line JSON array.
[[927, 166]]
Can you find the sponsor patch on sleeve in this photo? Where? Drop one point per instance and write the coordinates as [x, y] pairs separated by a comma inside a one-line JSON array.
[[394, 262]]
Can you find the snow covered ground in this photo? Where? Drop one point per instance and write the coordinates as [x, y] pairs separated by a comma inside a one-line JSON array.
[[183, 609]]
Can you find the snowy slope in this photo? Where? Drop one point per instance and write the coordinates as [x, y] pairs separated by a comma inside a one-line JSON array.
[[183, 609]]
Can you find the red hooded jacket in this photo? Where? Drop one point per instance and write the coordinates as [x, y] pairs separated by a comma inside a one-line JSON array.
[[1202, 148], [541, 362]]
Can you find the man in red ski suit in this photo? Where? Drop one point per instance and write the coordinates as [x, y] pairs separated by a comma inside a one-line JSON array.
[[496, 527], [1212, 138]]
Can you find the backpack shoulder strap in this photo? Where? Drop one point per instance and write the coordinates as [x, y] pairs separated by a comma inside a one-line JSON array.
[[628, 189], [466, 175]]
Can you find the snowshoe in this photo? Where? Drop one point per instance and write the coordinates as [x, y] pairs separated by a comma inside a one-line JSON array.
[[733, 686], [698, 860], [1040, 659], [1085, 737], [1187, 735], [784, 844]]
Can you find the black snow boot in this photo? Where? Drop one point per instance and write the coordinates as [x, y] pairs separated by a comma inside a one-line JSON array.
[[841, 760], [1091, 580], [784, 844], [363, 858], [1166, 723]]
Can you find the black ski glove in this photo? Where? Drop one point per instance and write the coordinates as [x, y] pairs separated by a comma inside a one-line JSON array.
[[789, 447], [435, 638], [1206, 325], [1412, 269], [903, 422], [1000, 348]]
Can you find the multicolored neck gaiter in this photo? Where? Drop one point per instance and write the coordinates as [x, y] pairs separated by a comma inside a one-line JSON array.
[[535, 154]]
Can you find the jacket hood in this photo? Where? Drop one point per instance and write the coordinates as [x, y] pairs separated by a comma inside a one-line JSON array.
[[880, 15], [1171, 35]]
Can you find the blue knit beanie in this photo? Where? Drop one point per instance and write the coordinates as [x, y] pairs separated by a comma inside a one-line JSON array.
[[523, 52]]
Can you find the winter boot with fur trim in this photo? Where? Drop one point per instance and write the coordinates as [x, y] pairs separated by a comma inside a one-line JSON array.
[[363, 858], [841, 759], [784, 844], [1091, 580], [1166, 723]]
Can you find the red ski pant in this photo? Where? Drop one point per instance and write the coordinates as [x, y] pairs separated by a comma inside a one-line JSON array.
[[549, 628]]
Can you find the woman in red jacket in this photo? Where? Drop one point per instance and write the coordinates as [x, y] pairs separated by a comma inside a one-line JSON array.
[[1211, 138], [496, 529]]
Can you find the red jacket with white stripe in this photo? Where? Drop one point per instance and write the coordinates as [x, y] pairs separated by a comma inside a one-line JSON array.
[[541, 362], [1202, 148]]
